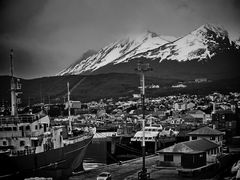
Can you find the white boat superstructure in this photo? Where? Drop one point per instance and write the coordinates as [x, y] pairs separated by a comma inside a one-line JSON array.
[[151, 134], [31, 134]]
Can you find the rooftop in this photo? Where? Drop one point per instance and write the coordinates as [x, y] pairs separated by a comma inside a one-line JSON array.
[[190, 146], [206, 131]]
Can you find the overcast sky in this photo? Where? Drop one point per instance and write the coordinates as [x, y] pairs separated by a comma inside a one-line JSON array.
[[49, 35]]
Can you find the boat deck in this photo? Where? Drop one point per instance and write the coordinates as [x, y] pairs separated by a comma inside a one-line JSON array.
[[28, 118]]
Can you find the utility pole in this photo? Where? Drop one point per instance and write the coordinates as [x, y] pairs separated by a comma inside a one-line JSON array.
[[69, 110], [29, 101], [49, 99], [41, 92], [142, 68], [13, 88]]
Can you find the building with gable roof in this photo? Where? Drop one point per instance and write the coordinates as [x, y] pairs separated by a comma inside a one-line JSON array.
[[206, 132], [181, 106], [197, 114], [198, 152]]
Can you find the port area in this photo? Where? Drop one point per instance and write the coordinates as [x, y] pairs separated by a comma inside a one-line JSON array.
[[128, 170]]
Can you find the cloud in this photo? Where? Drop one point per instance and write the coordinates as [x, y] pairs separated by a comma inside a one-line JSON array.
[[57, 32], [15, 16], [236, 4]]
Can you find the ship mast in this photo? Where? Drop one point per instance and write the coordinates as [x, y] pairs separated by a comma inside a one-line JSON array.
[[69, 111], [13, 88]]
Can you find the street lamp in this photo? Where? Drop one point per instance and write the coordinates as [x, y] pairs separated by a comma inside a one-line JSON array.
[[142, 68]]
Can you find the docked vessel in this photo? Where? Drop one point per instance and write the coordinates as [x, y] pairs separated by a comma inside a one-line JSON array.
[[31, 147], [152, 134], [156, 137]]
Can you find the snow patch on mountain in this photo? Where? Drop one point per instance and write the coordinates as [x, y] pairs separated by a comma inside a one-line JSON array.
[[237, 43], [201, 44], [196, 45], [118, 52], [76, 63], [168, 38]]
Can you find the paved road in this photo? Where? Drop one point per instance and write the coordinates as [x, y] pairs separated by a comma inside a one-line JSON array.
[[128, 170]]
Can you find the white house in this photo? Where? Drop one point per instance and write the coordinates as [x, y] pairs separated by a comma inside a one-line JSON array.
[[179, 106], [206, 132]]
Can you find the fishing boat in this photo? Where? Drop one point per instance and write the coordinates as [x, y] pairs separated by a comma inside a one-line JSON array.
[[151, 136], [155, 136], [31, 147]]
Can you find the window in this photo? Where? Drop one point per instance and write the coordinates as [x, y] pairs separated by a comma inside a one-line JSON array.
[[212, 138], [27, 127], [194, 137], [7, 128], [230, 124], [36, 127], [4, 143], [211, 151], [214, 151], [22, 143], [14, 128], [168, 157]]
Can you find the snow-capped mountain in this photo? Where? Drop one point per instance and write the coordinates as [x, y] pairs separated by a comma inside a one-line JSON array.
[[237, 42], [83, 57], [119, 52], [201, 45]]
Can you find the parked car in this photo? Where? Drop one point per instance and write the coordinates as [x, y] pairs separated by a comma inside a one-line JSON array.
[[104, 176]]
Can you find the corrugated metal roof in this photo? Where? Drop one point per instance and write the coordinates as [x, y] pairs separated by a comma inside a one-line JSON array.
[[201, 145]]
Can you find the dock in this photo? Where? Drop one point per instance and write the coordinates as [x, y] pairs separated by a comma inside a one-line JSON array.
[[128, 170]]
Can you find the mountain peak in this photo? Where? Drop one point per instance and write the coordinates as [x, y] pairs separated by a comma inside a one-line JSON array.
[[202, 44], [218, 30], [152, 34], [139, 37]]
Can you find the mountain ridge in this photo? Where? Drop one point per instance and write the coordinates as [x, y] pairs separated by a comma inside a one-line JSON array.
[[112, 85], [202, 44]]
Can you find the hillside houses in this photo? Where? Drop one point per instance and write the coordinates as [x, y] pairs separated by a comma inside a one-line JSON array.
[[181, 106], [179, 112], [195, 117]]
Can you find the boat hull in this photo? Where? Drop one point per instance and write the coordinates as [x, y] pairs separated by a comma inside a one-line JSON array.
[[56, 163]]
